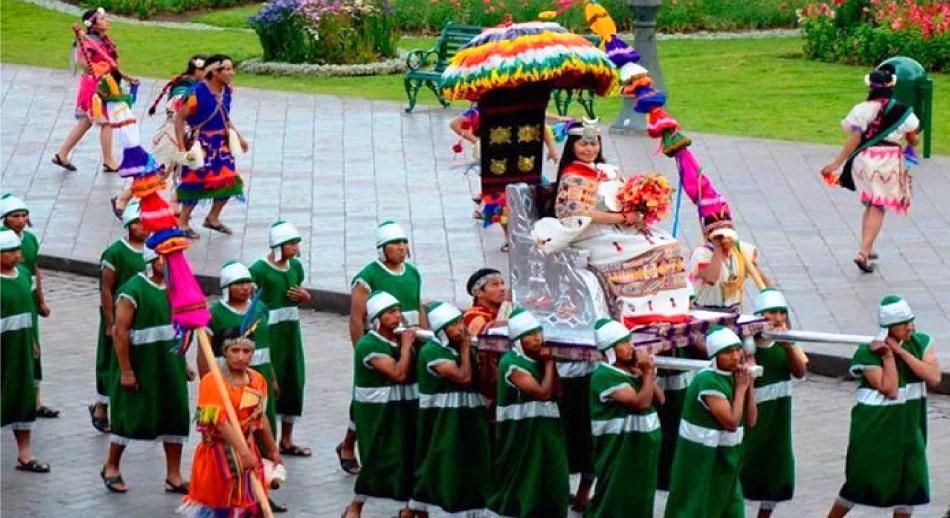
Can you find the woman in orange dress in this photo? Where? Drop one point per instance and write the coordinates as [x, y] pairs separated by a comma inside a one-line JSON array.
[[223, 463]]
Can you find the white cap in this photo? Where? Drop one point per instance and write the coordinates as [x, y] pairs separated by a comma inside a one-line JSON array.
[[389, 232], [378, 303], [521, 323], [10, 204], [894, 310], [441, 314], [132, 213], [149, 255], [608, 333], [770, 299], [233, 272], [720, 338], [9, 240], [283, 232]]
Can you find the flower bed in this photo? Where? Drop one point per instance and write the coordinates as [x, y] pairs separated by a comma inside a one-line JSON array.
[[326, 32], [866, 32]]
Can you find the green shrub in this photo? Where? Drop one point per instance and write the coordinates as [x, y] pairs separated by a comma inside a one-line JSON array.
[[324, 32], [675, 15], [863, 32], [147, 8]]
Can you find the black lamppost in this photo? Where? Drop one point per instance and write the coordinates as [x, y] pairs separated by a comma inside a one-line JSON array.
[[644, 41]]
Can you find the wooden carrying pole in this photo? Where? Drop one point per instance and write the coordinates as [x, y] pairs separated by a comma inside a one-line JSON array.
[[754, 272], [256, 484]]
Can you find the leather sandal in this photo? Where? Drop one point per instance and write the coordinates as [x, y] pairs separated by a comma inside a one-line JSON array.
[[864, 264]]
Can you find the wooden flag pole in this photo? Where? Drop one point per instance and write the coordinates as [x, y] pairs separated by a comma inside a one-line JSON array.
[[256, 485]]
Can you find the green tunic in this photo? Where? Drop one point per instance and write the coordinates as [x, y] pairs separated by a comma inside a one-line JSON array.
[[405, 286], [30, 252], [574, 406], [159, 407], [530, 478], [626, 448], [887, 459], [454, 467], [674, 384], [223, 318], [283, 331], [768, 464], [125, 261], [385, 413], [705, 477], [17, 310]]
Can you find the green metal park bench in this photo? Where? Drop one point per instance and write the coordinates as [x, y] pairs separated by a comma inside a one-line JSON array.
[[426, 67], [564, 97]]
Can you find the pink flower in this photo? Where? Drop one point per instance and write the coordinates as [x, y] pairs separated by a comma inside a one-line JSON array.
[[896, 25]]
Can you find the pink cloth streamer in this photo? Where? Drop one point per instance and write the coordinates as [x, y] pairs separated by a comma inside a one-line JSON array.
[[698, 187], [189, 307]]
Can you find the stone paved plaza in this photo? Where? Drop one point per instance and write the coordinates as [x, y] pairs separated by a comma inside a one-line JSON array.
[[336, 167], [316, 486]]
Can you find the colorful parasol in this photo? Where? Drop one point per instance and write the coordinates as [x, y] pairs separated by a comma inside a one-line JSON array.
[[517, 54]]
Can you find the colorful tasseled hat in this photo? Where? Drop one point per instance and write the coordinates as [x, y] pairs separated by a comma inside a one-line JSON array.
[[521, 323], [390, 232], [770, 299], [378, 303], [608, 333], [719, 339], [894, 310], [10, 204], [9, 241], [442, 315]]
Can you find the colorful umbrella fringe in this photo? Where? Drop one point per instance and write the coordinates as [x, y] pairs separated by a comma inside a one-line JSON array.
[[514, 55]]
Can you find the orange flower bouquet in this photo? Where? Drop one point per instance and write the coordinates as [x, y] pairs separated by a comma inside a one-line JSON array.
[[649, 194]]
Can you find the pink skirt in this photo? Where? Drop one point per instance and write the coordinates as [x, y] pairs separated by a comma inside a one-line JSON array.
[[87, 88]]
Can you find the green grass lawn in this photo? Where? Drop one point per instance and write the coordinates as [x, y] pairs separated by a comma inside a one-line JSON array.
[[234, 18], [758, 88]]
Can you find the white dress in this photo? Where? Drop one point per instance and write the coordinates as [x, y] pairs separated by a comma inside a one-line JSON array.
[[644, 272], [880, 172]]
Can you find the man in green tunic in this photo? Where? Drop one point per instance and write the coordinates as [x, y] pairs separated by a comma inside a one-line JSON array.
[[390, 272], [119, 263], [279, 275], [886, 464], [385, 407], [149, 393], [16, 362], [454, 466], [625, 426], [230, 312], [674, 384], [16, 216], [530, 478], [720, 399], [768, 465]]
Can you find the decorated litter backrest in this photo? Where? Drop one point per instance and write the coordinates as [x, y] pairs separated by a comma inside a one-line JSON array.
[[556, 288]]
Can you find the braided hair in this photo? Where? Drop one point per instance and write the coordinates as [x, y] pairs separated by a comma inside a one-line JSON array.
[[195, 63]]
